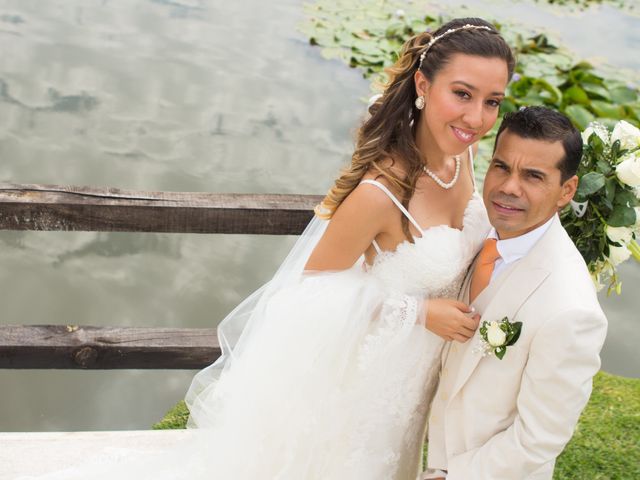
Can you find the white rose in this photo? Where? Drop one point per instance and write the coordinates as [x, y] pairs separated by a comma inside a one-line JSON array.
[[495, 336], [400, 13], [628, 135], [598, 129], [636, 227], [628, 170], [586, 134], [617, 255], [621, 235]]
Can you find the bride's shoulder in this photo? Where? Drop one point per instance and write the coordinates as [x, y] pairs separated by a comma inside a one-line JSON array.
[[382, 173], [370, 201]]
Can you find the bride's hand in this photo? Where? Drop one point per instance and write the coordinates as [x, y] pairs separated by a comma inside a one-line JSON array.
[[449, 319]]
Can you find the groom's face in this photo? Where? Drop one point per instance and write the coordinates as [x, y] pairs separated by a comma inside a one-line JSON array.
[[522, 188]]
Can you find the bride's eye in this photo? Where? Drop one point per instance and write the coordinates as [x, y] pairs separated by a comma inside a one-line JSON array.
[[462, 94]]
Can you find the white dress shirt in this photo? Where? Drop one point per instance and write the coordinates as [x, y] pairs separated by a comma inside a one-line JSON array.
[[510, 250], [513, 249]]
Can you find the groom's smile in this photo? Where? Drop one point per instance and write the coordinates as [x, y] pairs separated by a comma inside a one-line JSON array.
[[523, 187]]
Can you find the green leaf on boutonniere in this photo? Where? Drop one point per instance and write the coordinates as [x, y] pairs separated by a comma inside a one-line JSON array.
[[514, 335]]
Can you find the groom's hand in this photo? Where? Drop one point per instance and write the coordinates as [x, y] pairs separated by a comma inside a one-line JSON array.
[[450, 319]]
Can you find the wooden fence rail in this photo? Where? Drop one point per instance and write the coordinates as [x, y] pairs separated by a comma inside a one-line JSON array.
[[71, 347], [51, 207], [68, 208]]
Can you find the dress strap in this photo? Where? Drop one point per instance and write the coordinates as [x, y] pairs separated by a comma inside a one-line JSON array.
[[395, 200]]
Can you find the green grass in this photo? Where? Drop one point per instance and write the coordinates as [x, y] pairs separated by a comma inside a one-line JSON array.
[[605, 446], [175, 419]]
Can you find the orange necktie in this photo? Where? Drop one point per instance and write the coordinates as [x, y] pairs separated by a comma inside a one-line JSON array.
[[484, 268]]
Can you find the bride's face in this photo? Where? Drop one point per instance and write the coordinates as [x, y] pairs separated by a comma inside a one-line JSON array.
[[462, 101]]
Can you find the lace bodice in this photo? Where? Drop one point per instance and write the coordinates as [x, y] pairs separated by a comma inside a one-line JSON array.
[[435, 264]]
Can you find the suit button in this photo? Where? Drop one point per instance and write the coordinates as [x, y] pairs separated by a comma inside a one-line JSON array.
[[454, 347], [444, 395], [445, 371]]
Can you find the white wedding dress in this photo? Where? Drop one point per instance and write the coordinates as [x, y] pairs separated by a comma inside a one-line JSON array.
[[324, 376]]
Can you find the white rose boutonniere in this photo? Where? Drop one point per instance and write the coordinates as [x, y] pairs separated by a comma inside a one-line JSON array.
[[495, 337]]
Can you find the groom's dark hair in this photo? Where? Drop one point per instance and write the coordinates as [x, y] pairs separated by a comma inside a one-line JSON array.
[[541, 123]]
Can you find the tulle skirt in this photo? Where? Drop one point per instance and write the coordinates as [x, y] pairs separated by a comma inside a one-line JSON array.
[[329, 378]]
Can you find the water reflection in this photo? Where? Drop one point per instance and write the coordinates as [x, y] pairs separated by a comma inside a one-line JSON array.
[[168, 95]]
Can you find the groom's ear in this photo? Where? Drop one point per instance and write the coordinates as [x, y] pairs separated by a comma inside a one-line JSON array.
[[568, 190]]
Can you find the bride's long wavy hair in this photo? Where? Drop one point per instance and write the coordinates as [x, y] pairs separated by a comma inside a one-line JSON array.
[[389, 133]]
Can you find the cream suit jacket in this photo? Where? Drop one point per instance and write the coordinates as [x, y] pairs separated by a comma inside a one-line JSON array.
[[509, 419]]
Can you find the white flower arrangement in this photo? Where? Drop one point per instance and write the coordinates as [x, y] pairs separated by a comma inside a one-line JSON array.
[[496, 336], [604, 221]]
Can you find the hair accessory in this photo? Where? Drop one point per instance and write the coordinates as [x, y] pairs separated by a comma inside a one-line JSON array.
[[439, 181], [419, 102], [468, 26]]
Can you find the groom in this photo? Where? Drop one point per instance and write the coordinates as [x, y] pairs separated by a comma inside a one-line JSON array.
[[509, 418]]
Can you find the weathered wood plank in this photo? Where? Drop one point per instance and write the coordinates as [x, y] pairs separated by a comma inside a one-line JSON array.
[[73, 347], [50, 207]]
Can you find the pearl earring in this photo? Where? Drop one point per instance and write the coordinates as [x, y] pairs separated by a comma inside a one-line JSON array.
[[420, 102]]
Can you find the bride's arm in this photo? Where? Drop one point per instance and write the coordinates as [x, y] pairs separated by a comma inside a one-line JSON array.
[[365, 213]]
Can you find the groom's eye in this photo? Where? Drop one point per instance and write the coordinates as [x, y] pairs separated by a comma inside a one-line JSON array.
[[500, 165]]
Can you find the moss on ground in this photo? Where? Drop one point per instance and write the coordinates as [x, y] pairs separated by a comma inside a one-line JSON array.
[[175, 419], [605, 446]]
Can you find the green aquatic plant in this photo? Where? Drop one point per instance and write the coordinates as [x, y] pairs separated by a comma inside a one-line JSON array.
[[367, 34], [584, 4]]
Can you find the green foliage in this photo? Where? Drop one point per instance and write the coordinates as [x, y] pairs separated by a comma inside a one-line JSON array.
[[368, 34], [584, 4], [606, 443], [611, 202], [175, 419]]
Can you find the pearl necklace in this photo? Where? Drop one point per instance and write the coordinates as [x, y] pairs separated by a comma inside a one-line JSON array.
[[439, 181]]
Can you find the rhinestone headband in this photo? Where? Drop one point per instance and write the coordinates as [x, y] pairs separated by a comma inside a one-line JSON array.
[[468, 26]]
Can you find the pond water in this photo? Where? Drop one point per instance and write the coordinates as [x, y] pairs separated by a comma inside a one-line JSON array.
[[189, 95]]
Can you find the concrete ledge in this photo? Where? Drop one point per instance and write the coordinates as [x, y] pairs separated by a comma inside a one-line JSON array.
[[35, 453]]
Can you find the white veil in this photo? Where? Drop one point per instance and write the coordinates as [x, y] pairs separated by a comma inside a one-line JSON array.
[[235, 330]]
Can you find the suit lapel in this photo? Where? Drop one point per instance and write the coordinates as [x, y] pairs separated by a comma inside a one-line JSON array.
[[504, 296]]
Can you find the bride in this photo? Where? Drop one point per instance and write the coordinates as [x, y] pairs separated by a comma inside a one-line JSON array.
[[328, 370]]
